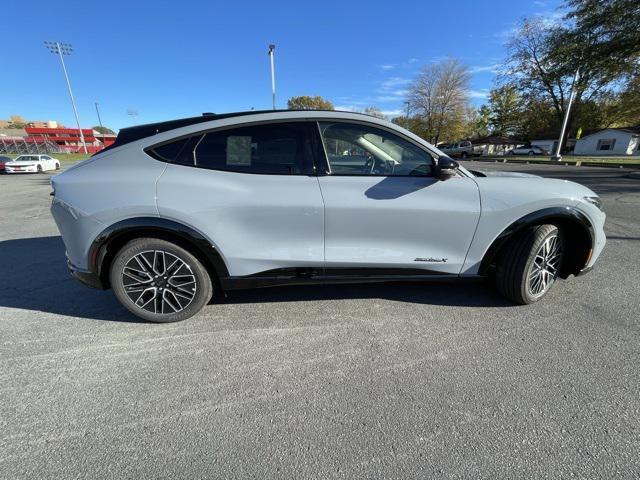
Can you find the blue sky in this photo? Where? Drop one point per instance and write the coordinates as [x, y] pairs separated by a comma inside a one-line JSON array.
[[172, 59]]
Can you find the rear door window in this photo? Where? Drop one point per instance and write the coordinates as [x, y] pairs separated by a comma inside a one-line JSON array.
[[279, 149]]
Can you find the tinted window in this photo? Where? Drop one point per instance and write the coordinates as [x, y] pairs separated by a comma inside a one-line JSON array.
[[354, 149], [275, 149], [179, 151]]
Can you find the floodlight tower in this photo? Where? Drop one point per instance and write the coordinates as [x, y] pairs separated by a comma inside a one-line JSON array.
[[272, 49], [62, 49]]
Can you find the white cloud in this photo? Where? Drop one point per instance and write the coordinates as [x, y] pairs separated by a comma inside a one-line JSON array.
[[393, 82], [494, 68], [392, 113], [479, 93], [388, 66], [413, 60]]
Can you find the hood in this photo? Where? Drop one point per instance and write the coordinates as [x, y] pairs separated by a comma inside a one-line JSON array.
[[499, 173]]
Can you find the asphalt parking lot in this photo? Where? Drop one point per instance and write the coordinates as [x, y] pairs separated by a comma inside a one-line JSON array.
[[382, 381]]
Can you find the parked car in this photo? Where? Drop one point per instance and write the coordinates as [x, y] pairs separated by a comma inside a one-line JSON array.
[[528, 150], [175, 210], [3, 161], [32, 164], [462, 149]]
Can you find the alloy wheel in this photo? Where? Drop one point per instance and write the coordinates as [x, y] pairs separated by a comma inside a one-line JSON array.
[[545, 266], [159, 282]]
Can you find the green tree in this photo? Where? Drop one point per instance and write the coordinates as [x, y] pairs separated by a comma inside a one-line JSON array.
[[306, 102], [100, 129], [505, 111]]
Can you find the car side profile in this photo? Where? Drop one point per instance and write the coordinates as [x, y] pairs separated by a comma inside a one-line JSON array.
[[175, 210], [528, 150], [32, 164]]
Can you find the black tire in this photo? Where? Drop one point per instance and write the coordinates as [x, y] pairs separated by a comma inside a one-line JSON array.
[[510, 152], [518, 260], [531, 153], [57, 166], [175, 295], [39, 168], [464, 155]]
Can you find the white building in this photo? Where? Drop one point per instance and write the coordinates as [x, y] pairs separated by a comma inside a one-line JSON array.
[[610, 141]]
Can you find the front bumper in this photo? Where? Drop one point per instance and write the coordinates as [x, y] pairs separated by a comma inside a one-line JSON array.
[[87, 277], [21, 170]]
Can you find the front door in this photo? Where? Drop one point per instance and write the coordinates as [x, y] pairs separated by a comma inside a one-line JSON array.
[[384, 209]]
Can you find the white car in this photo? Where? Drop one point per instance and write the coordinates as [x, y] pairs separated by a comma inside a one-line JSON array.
[[32, 164], [528, 150]]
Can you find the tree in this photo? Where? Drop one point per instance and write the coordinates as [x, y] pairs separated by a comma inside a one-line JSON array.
[[439, 96], [100, 129], [309, 103], [374, 112], [505, 111], [478, 122], [613, 27]]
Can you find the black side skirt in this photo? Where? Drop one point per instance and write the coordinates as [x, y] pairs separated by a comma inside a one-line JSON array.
[[311, 276]]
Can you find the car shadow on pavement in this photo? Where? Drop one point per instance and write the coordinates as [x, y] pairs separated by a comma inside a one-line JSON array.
[[35, 277]]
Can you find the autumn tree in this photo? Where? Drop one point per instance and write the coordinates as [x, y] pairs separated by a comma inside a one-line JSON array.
[[439, 96], [306, 102]]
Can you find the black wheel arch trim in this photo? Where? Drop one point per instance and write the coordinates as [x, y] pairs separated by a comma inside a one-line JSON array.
[[160, 227], [536, 218]]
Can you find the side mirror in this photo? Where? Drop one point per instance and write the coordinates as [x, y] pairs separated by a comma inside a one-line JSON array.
[[446, 168]]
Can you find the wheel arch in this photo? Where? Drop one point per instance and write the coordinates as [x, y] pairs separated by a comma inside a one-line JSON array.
[[578, 230], [107, 244]]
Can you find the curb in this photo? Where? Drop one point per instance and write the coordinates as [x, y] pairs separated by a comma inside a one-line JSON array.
[[576, 163]]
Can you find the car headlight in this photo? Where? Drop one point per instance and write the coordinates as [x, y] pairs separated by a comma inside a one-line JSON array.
[[594, 201]]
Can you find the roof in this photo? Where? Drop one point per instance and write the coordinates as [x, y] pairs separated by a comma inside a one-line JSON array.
[[496, 140], [630, 130], [131, 134]]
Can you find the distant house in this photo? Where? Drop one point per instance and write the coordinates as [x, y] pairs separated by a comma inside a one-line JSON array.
[[610, 141], [496, 145]]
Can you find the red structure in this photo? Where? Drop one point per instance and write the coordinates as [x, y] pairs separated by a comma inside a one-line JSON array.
[[69, 140]]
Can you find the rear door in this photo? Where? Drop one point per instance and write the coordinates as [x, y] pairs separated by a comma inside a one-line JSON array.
[[384, 209], [251, 190]]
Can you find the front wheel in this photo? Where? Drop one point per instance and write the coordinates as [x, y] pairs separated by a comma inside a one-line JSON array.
[[159, 281], [39, 169], [464, 155], [531, 153], [530, 264], [57, 166]]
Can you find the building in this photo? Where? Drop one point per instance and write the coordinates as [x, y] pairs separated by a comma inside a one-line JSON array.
[[610, 141], [52, 140], [44, 124], [496, 145], [69, 139]]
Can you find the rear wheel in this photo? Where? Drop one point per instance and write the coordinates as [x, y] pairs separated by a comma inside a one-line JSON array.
[[159, 281], [531, 153], [530, 264], [39, 169], [57, 166], [464, 155]]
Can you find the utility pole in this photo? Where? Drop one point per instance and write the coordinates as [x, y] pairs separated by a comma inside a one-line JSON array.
[[557, 155], [62, 49], [272, 49]]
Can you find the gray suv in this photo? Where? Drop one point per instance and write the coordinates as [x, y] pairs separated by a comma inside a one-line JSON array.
[[175, 210]]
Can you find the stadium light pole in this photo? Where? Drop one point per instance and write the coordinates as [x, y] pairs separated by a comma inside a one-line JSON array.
[[272, 49], [100, 122], [62, 49]]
